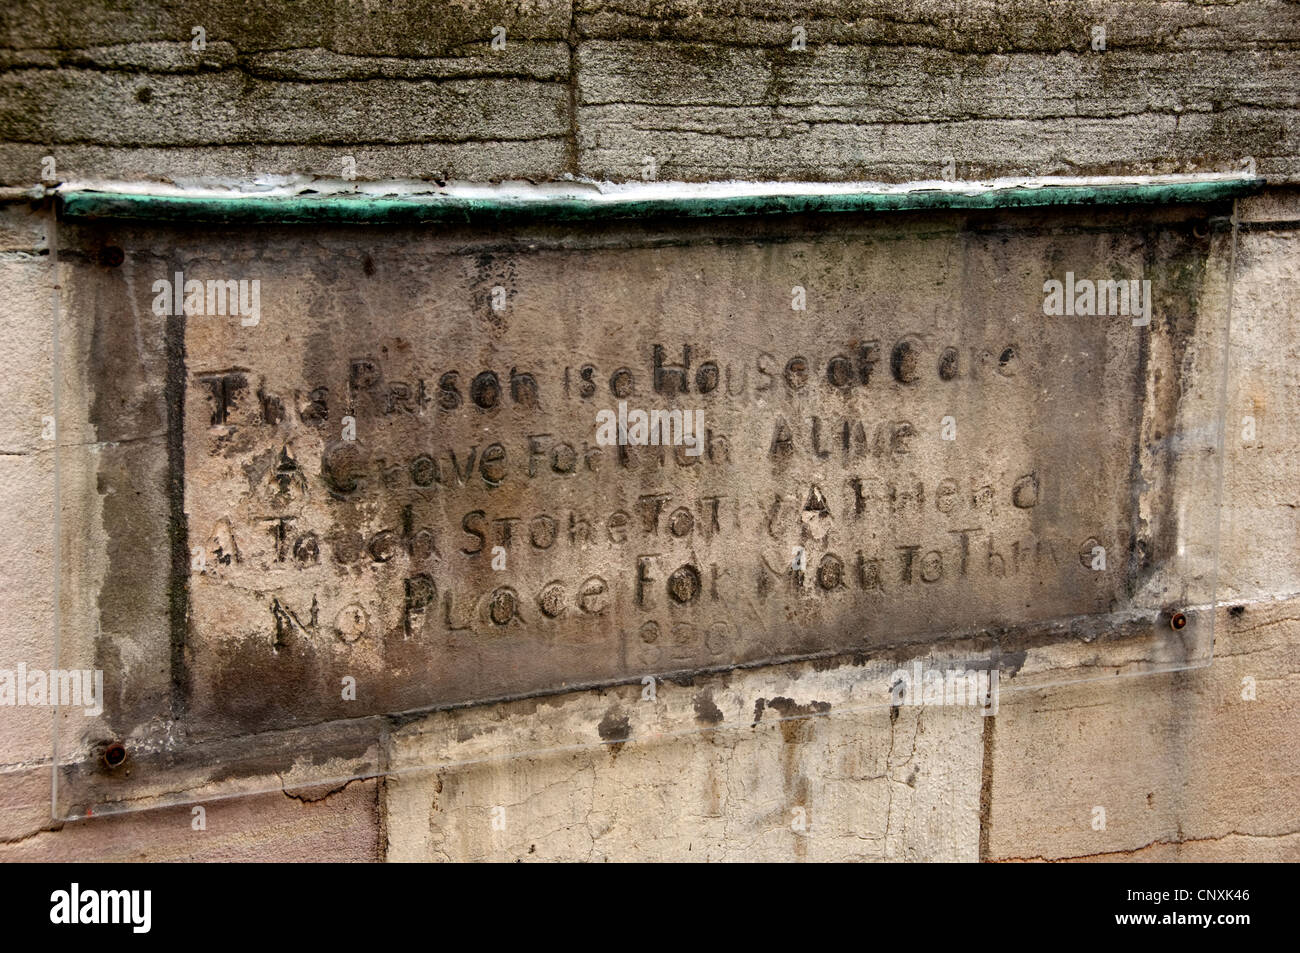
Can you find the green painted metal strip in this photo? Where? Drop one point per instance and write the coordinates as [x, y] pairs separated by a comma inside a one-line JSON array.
[[358, 209]]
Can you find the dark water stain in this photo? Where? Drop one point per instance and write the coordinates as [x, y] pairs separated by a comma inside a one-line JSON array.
[[614, 729], [789, 708], [706, 711]]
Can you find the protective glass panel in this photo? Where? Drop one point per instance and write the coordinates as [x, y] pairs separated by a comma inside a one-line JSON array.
[[320, 481]]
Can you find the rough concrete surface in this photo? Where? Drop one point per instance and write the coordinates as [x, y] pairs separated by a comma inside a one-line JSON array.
[[862, 786], [795, 90], [1175, 761]]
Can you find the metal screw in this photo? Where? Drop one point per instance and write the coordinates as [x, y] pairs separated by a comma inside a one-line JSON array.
[[1177, 621]]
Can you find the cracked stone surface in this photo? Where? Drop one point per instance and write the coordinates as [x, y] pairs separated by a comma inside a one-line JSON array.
[[867, 785], [1184, 767], [711, 89]]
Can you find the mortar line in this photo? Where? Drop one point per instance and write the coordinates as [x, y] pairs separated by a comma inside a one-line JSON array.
[[52, 236]]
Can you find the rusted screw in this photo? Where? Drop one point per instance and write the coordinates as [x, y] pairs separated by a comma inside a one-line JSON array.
[[115, 754], [1177, 621], [111, 256]]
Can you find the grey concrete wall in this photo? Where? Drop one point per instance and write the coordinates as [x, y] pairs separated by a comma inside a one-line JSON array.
[[711, 90], [1184, 766]]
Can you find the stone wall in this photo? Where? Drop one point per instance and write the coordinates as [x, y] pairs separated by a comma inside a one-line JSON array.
[[1184, 766], [712, 90]]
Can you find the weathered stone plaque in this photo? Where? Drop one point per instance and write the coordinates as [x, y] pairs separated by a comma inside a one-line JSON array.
[[445, 466]]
